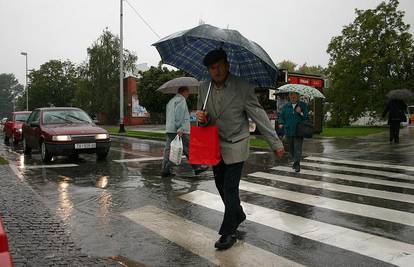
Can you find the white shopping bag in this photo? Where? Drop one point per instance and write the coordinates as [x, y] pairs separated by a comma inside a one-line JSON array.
[[176, 150]]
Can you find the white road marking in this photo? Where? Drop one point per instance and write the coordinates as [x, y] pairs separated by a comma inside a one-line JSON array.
[[363, 163], [384, 249], [336, 187], [332, 204], [178, 230], [260, 152], [346, 177], [48, 166], [139, 159], [359, 170]]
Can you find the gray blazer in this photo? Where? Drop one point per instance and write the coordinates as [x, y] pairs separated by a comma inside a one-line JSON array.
[[239, 103]]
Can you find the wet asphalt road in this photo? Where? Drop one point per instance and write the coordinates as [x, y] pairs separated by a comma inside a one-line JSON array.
[[322, 217]]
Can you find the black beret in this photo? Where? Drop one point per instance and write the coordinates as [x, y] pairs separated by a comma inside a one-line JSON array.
[[214, 56]]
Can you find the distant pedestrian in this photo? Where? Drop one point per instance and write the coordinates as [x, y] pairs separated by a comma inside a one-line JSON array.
[[292, 114], [178, 123], [397, 110]]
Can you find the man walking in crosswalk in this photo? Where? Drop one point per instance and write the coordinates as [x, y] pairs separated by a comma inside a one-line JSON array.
[[230, 103]]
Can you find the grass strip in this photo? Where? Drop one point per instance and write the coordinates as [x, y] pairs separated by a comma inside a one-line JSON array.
[[3, 161]]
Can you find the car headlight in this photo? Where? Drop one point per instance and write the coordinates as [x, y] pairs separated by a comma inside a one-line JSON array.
[[61, 138], [19, 130], [101, 136]]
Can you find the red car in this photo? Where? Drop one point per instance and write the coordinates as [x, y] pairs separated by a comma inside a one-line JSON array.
[[63, 131], [12, 130]]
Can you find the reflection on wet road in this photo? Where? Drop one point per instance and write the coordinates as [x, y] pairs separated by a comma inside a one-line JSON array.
[[345, 208]]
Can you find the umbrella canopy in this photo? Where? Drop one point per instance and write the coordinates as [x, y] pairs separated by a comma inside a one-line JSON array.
[[401, 94], [186, 50], [301, 89], [172, 86]]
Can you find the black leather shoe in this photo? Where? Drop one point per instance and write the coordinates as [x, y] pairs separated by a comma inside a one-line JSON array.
[[225, 242], [297, 169]]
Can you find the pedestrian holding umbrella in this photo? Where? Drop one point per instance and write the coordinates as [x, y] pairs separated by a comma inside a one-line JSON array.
[[232, 66], [177, 126], [397, 110]]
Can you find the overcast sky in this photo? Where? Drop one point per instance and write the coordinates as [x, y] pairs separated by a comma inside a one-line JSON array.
[[297, 30]]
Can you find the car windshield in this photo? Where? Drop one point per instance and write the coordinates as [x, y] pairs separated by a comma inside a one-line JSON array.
[[65, 116], [22, 117]]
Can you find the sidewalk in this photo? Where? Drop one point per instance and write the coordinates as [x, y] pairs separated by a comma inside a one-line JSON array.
[[36, 237]]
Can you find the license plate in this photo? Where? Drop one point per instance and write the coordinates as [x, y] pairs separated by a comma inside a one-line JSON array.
[[85, 145]]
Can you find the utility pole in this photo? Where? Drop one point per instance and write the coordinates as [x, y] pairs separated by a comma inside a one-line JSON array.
[[27, 88], [121, 74]]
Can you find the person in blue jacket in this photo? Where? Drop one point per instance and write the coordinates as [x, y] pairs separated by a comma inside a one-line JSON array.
[[292, 114]]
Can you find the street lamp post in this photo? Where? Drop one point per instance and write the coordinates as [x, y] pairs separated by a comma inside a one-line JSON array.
[[121, 74], [27, 88]]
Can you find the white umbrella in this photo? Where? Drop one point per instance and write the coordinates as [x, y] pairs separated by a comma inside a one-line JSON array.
[[172, 86], [301, 89]]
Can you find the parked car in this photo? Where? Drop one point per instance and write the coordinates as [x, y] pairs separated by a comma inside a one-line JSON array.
[[12, 130], [61, 131]]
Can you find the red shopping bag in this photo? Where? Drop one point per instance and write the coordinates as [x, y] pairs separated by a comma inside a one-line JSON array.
[[204, 145]]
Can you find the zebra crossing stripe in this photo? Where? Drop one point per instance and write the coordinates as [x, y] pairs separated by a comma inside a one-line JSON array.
[[332, 204], [363, 163], [178, 230], [31, 167], [359, 170], [346, 177], [139, 159], [384, 249], [336, 187]]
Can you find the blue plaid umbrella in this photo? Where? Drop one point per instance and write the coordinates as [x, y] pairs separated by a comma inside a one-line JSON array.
[[185, 50]]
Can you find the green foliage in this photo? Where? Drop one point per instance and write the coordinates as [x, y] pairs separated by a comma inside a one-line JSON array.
[[315, 70], [374, 55], [151, 80], [98, 89], [287, 65], [9, 90], [305, 69], [54, 83]]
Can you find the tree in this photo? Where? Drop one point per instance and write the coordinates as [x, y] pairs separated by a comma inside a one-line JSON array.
[[373, 55], [53, 84], [98, 89], [151, 80], [287, 65], [9, 90], [314, 70], [305, 69]]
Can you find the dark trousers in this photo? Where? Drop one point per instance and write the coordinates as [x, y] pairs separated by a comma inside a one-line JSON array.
[[295, 148], [395, 130], [227, 178]]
